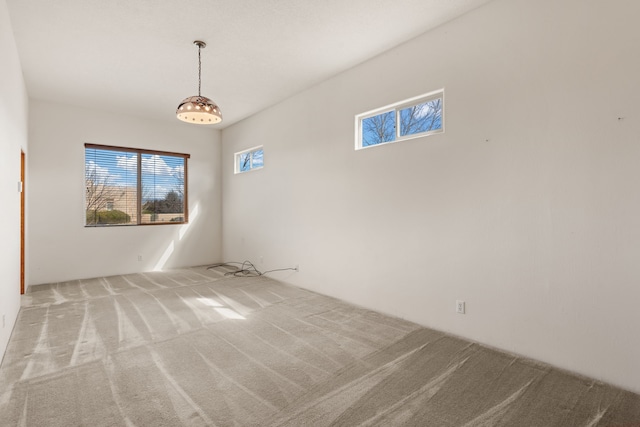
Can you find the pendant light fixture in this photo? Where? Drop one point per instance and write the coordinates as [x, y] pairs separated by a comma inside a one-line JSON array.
[[199, 109]]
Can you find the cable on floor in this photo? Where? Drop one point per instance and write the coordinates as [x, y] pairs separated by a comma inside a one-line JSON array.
[[246, 269]]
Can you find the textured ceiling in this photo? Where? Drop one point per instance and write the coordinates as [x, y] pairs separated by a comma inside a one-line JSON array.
[[137, 56]]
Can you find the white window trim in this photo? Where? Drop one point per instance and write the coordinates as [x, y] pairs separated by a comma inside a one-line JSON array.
[[236, 160], [397, 107]]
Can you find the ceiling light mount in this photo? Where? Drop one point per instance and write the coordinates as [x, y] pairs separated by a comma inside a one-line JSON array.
[[199, 109]]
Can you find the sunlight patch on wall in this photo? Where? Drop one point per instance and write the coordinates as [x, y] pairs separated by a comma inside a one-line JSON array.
[[163, 259], [192, 217]]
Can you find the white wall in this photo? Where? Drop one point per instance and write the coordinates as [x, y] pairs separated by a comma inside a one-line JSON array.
[[527, 207], [60, 247], [13, 139]]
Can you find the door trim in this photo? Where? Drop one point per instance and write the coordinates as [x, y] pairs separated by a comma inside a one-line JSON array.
[[22, 214]]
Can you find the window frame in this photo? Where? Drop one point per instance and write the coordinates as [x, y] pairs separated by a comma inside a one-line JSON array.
[[397, 108], [237, 155], [139, 152]]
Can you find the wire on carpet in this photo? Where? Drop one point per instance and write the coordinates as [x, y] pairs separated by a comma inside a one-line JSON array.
[[246, 269]]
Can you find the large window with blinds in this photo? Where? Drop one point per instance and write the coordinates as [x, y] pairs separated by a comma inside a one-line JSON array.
[[128, 186]]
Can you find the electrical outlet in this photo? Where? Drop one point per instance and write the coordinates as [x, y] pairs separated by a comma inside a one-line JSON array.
[[297, 268], [139, 258], [460, 309]]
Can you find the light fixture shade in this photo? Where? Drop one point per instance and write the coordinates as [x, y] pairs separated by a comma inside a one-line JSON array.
[[199, 110]]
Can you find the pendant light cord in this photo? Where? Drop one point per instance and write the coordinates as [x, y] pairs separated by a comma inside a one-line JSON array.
[[199, 70]]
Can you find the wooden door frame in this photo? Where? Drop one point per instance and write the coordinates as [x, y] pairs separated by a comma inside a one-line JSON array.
[[22, 214]]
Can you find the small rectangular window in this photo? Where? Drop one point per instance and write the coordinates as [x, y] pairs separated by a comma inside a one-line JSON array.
[[126, 186], [379, 129], [249, 159], [419, 116]]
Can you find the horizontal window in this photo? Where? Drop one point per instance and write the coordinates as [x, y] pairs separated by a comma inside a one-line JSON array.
[[407, 119], [126, 186], [248, 160]]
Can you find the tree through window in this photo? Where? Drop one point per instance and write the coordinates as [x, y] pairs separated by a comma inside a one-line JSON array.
[[250, 159], [126, 186], [407, 119]]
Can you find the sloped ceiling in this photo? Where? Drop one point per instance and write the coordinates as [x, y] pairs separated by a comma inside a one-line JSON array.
[[137, 56]]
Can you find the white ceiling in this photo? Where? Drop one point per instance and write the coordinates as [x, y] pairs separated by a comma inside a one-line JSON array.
[[137, 56]]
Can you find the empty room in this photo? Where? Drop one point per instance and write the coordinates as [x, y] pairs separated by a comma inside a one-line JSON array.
[[320, 213]]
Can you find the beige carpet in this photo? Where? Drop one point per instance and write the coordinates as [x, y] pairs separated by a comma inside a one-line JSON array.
[[192, 347]]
